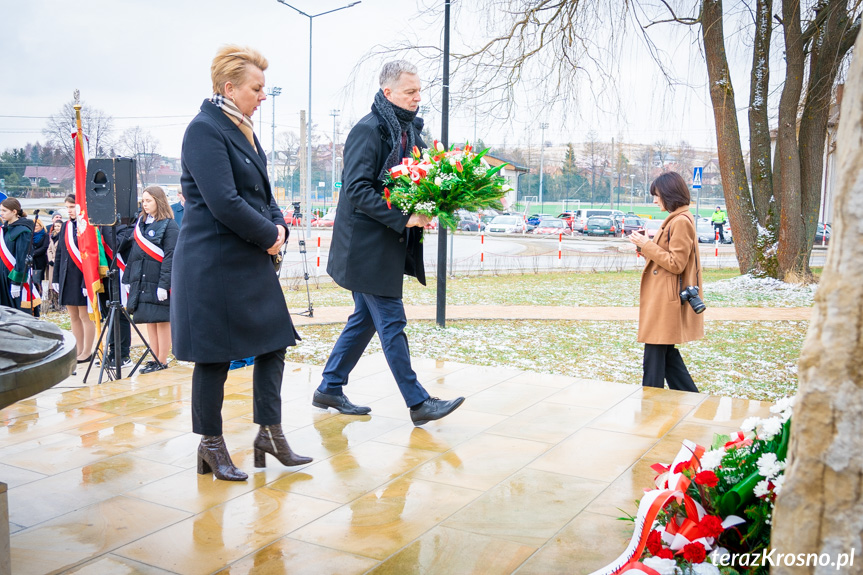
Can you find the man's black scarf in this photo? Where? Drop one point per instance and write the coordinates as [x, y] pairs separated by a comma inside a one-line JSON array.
[[398, 121]]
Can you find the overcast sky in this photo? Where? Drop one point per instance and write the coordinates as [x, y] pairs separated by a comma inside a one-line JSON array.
[[146, 62]]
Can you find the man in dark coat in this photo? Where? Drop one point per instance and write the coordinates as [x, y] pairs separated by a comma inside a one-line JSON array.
[[373, 247], [178, 208]]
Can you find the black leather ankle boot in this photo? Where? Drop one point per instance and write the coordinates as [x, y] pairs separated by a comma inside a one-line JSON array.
[[213, 456], [271, 440]]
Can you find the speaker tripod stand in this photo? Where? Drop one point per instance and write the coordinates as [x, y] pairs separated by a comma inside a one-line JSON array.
[[111, 328]]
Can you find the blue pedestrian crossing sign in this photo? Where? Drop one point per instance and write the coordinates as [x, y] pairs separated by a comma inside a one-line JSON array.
[[696, 176]]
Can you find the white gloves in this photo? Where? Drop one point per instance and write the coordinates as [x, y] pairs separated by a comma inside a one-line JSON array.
[[15, 290], [55, 287], [162, 294]]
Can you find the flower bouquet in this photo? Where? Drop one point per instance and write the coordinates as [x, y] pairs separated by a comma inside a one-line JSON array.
[[438, 182], [711, 511]]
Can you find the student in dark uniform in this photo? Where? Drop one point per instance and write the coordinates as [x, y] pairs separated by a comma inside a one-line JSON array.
[[148, 273], [68, 281]]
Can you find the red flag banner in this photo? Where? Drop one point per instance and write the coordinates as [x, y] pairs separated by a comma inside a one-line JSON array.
[[87, 242]]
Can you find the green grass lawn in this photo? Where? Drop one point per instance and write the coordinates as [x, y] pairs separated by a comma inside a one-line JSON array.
[[723, 288], [756, 360]]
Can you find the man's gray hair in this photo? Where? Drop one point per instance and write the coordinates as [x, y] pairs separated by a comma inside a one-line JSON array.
[[392, 71]]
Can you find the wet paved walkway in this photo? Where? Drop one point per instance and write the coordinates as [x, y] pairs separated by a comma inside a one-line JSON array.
[[528, 476]]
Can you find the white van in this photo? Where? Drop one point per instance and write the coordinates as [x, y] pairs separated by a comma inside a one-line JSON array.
[[579, 217]]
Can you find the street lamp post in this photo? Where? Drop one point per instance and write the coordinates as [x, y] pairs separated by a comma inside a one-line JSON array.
[[334, 114], [275, 91], [311, 18], [543, 126]]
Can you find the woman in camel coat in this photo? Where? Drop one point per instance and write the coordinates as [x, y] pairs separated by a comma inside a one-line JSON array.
[[673, 264]]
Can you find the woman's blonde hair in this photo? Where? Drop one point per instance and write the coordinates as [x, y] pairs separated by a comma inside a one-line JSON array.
[[163, 210], [230, 65]]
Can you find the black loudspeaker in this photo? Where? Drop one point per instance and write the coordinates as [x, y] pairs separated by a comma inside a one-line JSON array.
[[112, 191]]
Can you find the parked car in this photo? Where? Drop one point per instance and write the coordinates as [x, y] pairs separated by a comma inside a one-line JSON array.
[[707, 233], [599, 226], [580, 217], [486, 216], [627, 224], [535, 219], [326, 221], [822, 235], [566, 217], [507, 225], [467, 221], [292, 218], [553, 226], [651, 227]]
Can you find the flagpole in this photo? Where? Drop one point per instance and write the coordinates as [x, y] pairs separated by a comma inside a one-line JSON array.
[[96, 316]]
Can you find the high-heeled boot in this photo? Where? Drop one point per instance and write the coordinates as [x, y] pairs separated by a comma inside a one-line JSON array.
[[213, 456], [271, 440]]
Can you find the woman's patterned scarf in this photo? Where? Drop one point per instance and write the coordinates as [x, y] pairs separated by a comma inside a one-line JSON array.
[[244, 123]]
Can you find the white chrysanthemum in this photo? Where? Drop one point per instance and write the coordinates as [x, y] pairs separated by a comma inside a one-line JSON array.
[[750, 423], [778, 482], [768, 466], [769, 428], [661, 566], [762, 489], [711, 459], [703, 569], [783, 404]]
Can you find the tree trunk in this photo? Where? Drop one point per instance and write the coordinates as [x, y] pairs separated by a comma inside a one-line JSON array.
[[820, 507], [738, 200], [790, 181], [825, 55], [759, 126]]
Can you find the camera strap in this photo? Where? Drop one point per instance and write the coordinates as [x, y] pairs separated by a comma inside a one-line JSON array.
[[695, 247]]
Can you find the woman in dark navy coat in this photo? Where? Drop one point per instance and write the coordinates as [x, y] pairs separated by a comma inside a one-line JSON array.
[[226, 301]]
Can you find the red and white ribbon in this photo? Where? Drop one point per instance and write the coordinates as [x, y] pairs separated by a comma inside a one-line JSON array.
[[149, 247], [5, 254], [72, 247], [670, 485], [9, 260]]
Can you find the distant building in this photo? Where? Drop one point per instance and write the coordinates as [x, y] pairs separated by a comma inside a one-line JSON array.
[[59, 177], [511, 172]]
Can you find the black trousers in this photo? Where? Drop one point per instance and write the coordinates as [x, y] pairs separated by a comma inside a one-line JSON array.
[[663, 363], [208, 392], [721, 229]]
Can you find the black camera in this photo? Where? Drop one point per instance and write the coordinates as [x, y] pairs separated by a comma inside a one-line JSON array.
[[297, 211], [690, 294]]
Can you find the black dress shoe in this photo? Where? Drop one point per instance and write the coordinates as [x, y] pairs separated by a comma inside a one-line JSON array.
[[338, 402], [434, 408]]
